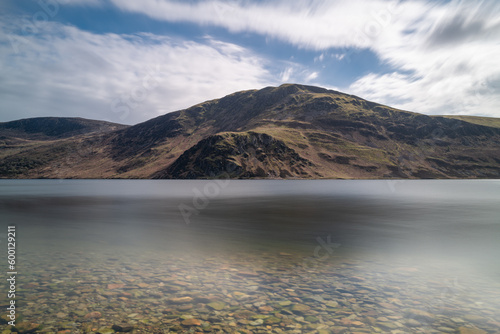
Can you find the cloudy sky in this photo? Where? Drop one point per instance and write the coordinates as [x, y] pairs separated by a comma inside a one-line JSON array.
[[127, 60]]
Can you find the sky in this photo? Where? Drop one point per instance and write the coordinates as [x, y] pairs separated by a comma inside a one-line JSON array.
[[127, 61]]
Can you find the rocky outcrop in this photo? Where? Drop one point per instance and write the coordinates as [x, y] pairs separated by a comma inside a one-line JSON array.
[[238, 155]]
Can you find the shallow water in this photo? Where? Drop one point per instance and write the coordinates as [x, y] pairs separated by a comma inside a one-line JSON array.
[[258, 256]]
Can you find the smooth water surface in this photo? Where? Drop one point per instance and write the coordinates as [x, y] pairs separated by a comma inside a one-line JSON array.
[[255, 256]]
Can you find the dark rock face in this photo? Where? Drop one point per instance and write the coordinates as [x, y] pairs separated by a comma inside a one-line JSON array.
[[237, 155]]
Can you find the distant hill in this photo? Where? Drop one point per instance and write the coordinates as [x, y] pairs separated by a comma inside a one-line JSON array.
[[486, 121], [291, 131], [49, 128]]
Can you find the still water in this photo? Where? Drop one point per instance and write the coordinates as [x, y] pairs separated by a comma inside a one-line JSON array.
[[223, 256]]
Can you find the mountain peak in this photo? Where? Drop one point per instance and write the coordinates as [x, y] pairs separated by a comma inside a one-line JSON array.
[[303, 88]]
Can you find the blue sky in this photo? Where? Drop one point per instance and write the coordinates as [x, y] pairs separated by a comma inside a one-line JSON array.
[[127, 61]]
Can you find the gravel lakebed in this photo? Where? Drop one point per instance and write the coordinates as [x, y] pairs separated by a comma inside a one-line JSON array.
[[259, 291]]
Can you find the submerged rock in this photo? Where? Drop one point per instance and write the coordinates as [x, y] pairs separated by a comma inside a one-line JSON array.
[[466, 330], [420, 315], [115, 286], [191, 322], [105, 330], [257, 322], [300, 308], [181, 300], [216, 305], [26, 327], [93, 315], [123, 328]]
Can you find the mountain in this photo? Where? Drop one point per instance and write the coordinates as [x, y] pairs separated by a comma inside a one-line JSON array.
[[290, 131]]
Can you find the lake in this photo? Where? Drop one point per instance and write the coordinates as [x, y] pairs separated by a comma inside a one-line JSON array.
[[256, 256]]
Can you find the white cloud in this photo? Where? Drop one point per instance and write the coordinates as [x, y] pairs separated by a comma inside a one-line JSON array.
[[64, 71], [55, 3], [339, 56], [446, 65], [443, 56], [319, 58], [286, 74], [312, 76], [440, 52], [316, 24]]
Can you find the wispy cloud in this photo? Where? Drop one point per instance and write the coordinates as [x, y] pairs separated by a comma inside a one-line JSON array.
[[312, 76], [438, 57], [441, 53], [445, 64], [64, 71], [316, 24], [286, 74]]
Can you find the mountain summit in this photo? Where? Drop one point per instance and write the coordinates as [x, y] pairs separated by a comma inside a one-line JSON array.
[[290, 131]]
